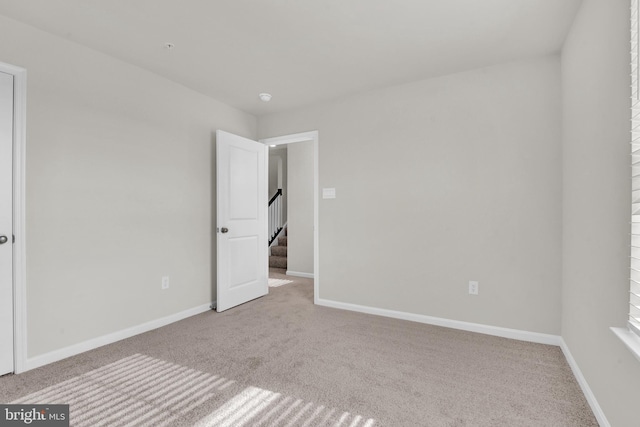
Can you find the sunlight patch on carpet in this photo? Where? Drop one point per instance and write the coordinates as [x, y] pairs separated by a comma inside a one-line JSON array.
[[274, 283], [257, 407], [143, 391], [136, 390]]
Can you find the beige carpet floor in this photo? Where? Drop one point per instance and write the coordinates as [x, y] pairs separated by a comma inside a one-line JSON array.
[[281, 361]]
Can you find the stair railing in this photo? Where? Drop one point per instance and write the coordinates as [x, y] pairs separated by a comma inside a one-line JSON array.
[[275, 215]]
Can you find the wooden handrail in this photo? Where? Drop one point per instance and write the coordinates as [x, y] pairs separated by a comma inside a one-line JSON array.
[[275, 196]]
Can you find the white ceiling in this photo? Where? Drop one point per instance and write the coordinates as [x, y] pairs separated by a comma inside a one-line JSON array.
[[303, 51]]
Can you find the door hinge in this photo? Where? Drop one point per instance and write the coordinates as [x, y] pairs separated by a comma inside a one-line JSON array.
[[13, 238]]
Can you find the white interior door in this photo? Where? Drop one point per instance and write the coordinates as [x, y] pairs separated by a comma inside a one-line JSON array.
[[6, 223], [242, 220]]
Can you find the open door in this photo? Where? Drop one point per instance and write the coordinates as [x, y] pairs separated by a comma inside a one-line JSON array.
[[242, 220]]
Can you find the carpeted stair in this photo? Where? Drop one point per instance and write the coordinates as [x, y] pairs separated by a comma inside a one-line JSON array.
[[278, 258]]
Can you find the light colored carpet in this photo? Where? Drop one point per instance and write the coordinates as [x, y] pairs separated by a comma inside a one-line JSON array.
[[274, 283], [281, 361], [140, 390]]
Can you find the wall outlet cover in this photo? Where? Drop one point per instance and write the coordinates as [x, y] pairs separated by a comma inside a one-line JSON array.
[[473, 287]]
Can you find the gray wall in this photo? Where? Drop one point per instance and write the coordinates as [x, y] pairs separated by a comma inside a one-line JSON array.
[[300, 178], [440, 182], [120, 185], [597, 204]]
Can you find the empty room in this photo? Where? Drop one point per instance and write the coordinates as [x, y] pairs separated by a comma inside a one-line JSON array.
[[458, 245]]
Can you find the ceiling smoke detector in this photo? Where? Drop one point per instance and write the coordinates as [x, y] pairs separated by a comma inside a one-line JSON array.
[[266, 97]]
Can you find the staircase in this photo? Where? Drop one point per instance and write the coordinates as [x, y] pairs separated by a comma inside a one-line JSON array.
[[278, 257]]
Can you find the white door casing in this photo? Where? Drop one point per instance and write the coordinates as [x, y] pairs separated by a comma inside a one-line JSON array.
[[314, 138], [242, 244], [6, 224]]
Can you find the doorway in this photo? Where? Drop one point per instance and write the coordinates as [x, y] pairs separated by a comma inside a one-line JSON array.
[[303, 148], [12, 260]]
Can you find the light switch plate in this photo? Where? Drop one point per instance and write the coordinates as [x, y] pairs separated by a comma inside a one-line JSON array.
[[328, 193]]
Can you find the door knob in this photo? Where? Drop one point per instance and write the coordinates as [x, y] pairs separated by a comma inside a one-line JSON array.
[[224, 230], [3, 240]]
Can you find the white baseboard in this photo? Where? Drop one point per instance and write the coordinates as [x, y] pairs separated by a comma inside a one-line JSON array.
[[299, 274], [586, 390], [515, 334], [72, 350]]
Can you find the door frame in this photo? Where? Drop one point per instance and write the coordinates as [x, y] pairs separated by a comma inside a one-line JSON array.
[[19, 254], [306, 137]]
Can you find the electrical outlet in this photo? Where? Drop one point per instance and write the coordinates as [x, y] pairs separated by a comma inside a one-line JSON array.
[[473, 288], [165, 282]]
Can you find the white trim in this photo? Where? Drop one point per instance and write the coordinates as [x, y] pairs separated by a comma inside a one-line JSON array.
[[299, 274], [19, 212], [497, 331], [586, 390], [630, 339], [303, 137], [72, 350], [290, 139], [316, 216]]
